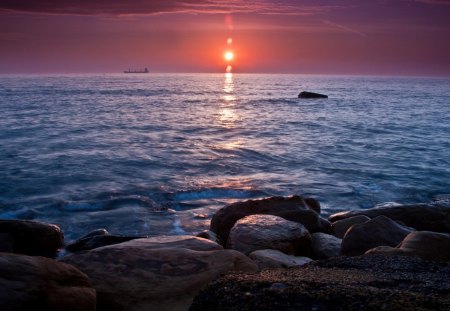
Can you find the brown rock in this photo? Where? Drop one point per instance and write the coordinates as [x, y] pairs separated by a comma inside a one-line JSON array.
[[257, 232], [97, 241], [324, 246], [38, 283], [270, 258], [209, 235], [156, 273], [375, 232], [295, 208], [425, 217], [340, 227], [424, 244], [33, 238]]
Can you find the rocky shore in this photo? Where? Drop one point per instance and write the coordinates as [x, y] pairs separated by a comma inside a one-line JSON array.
[[276, 253]]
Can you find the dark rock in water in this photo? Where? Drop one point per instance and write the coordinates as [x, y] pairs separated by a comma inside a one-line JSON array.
[[424, 244], [98, 241], [95, 232], [6, 243], [375, 232], [32, 238], [161, 273], [342, 283], [425, 217], [38, 283], [311, 95], [258, 232], [295, 208]]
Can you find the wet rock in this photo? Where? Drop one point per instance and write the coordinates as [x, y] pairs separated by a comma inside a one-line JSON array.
[[324, 246], [6, 243], [161, 273], [33, 238], [380, 231], [340, 227], [38, 283], [295, 208], [257, 232], [95, 232], [209, 235], [424, 244], [342, 283], [305, 94], [270, 258], [97, 241], [424, 217]]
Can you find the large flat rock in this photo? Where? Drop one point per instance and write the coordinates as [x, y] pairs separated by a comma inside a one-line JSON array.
[[161, 273], [343, 283]]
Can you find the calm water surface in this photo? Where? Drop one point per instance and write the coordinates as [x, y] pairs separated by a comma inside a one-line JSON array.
[[158, 154]]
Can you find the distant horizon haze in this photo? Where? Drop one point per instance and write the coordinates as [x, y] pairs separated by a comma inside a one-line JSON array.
[[348, 37]]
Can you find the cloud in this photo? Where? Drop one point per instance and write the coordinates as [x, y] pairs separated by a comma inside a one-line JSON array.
[[438, 2], [152, 7]]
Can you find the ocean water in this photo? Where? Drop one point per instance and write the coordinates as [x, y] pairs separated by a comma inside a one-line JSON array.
[[159, 153]]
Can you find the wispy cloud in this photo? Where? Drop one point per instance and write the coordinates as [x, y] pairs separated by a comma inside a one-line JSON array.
[[435, 2], [153, 7]]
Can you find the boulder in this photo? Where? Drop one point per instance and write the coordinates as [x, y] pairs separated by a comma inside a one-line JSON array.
[[257, 232], [340, 227], [324, 246], [270, 258], [424, 217], [380, 231], [295, 208], [158, 273], [31, 237], [38, 283], [424, 244], [96, 241], [306, 94]]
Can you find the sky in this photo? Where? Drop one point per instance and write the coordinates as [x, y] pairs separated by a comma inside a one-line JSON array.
[[367, 37]]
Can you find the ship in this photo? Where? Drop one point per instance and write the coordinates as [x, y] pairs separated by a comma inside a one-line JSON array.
[[136, 71]]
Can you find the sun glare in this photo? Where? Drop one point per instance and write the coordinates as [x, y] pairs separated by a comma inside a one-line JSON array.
[[229, 56]]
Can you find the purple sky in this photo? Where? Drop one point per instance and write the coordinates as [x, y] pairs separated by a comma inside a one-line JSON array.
[[399, 37]]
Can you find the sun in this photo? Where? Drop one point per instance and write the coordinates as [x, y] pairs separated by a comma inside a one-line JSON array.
[[229, 56]]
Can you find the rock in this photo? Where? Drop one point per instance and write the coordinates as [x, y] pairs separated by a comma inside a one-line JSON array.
[[340, 227], [38, 283], [270, 258], [295, 208], [6, 243], [95, 232], [305, 94], [324, 246], [156, 273], [375, 232], [96, 241], [33, 238], [342, 283], [424, 244], [424, 217], [209, 235], [257, 232]]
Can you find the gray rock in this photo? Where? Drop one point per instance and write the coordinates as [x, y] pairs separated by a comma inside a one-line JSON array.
[[32, 238], [97, 241], [209, 235], [38, 283], [295, 208], [270, 258], [424, 244], [156, 273], [380, 231], [340, 227], [324, 246], [257, 232], [424, 217]]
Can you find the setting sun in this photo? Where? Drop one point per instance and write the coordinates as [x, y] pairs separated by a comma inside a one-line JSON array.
[[229, 56]]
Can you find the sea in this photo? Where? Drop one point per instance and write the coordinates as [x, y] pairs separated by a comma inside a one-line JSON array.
[[156, 154]]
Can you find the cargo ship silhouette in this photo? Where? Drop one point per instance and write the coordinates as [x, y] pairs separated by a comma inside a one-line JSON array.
[[136, 71]]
